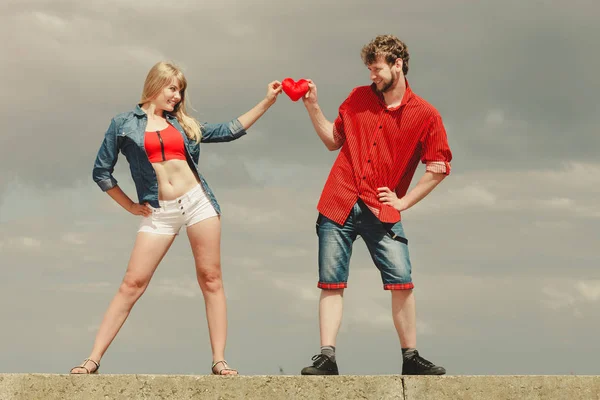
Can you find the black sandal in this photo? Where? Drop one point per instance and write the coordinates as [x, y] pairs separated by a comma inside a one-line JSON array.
[[88, 372]]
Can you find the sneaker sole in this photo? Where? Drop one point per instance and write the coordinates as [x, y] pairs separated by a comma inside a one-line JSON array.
[[317, 374]]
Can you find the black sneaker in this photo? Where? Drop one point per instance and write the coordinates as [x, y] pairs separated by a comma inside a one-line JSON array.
[[417, 365], [322, 365]]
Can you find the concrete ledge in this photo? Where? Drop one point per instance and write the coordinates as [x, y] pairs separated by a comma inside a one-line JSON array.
[[179, 387], [528, 387]]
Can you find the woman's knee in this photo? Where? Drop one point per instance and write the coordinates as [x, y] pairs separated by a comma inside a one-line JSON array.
[[133, 286], [210, 277]]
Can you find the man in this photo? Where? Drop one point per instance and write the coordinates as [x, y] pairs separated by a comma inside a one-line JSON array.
[[383, 130]]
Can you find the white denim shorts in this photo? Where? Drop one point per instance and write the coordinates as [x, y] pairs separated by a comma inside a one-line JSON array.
[[188, 209]]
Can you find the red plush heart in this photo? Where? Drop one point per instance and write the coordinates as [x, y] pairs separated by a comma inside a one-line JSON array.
[[295, 90]]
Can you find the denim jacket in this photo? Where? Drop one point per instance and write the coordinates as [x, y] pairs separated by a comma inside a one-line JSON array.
[[126, 134]]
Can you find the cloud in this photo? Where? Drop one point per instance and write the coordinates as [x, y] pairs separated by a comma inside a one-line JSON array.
[[495, 117], [536, 191], [290, 252], [50, 22], [253, 216], [21, 244], [176, 287], [576, 174], [73, 238], [472, 196], [589, 290], [90, 287], [577, 296]]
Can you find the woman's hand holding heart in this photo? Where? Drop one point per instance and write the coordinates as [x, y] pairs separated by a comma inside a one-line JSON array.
[[273, 91]]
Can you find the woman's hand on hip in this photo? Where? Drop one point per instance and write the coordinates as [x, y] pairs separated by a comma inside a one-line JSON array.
[[140, 209]]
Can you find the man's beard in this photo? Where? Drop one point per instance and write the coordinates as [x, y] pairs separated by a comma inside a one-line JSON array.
[[387, 86]]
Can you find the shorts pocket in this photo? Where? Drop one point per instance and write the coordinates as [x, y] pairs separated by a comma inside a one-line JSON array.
[[395, 235], [398, 238], [318, 223]]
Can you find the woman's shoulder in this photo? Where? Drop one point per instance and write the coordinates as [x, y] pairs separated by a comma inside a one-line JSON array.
[[124, 116]]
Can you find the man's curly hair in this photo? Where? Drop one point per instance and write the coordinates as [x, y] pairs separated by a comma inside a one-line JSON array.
[[388, 46]]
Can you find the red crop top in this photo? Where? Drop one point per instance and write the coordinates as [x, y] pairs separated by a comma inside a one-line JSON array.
[[164, 145]]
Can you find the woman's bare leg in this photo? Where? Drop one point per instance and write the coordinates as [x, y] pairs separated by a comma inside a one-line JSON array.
[[148, 250], [205, 240]]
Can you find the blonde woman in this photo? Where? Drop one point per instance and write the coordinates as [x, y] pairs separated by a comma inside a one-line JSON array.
[[161, 144]]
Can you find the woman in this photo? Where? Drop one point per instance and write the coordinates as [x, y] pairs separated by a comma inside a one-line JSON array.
[[161, 144]]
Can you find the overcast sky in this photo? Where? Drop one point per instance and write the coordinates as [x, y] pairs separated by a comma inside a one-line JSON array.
[[504, 252]]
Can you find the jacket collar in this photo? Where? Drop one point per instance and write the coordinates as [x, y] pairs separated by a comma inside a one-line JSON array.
[[141, 113]]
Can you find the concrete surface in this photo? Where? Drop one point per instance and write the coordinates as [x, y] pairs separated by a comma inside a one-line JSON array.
[[507, 387], [179, 387]]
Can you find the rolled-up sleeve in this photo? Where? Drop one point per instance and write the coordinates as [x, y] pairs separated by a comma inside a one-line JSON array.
[[106, 159], [222, 132], [339, 136], [436, 153]]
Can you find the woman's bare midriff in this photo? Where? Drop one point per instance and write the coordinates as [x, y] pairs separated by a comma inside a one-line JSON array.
[[175, 178]]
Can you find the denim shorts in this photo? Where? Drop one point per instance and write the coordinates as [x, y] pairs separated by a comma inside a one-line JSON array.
[[188, 209], [386, 243]]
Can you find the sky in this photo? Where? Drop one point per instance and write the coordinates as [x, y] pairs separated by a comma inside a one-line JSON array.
[[504, 252]]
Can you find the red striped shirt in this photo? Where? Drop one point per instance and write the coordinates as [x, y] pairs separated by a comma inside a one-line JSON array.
[[381, 147]]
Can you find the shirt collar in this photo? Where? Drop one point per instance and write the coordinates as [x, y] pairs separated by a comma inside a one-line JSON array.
[[408, 94]]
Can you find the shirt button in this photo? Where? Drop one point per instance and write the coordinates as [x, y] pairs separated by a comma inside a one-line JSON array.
[[375, 144], [179, 201], [364, 177], [368, 161], [380, 126]]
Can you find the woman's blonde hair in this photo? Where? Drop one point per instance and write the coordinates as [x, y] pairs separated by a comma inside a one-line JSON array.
[[158, 78]]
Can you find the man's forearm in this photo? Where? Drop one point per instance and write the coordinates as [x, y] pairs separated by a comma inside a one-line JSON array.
[[322, 126], [426, 184]]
